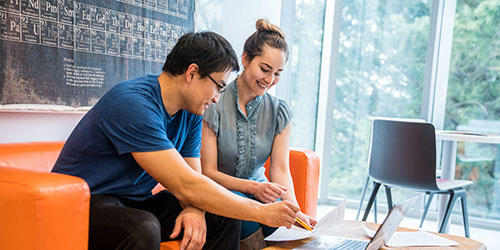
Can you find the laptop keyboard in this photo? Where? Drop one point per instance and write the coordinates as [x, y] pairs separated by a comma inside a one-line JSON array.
[[349, 244]]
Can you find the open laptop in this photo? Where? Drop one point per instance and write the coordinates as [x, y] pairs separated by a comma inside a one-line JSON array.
[[383, 234]]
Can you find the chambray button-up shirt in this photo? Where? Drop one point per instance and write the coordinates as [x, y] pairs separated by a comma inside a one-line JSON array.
[[244, 143]]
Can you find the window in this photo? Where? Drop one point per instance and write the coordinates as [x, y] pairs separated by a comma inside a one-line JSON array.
[[380, 72], [305, 67], [380, 69], [209, 15], [473, 101]]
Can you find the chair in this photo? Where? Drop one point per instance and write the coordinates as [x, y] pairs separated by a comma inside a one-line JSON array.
[[403, 154], [43, 210], [367, 182]]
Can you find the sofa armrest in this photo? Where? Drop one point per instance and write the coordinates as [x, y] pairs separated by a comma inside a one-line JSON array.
[[43, 210], [304, 168]]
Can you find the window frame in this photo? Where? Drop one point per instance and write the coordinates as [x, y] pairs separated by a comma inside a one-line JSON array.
[[437, 66]]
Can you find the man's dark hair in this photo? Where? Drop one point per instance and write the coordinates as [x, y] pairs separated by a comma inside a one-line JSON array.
[[210, 51]]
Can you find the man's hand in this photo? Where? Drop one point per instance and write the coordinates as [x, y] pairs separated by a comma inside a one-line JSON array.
[[193, 221], [281, 213], [266, 192], [311, 222]]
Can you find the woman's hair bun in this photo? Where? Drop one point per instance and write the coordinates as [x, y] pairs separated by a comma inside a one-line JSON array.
[[263, 25]]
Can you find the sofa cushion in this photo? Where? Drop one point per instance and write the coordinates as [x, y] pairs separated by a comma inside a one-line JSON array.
[[36, 156]]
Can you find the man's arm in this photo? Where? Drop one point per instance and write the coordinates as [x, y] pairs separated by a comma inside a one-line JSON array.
[[195, 164], [192, 219], [172, 171]]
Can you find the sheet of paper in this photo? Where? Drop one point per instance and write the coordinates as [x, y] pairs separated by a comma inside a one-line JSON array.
[[294, 233], [324, 226], [412, 239]]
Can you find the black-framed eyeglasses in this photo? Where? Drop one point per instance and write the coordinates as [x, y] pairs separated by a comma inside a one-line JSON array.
[[220, 87]]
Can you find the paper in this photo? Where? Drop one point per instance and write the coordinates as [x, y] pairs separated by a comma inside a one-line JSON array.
[[294, 233], [324, 226], [412, 239]]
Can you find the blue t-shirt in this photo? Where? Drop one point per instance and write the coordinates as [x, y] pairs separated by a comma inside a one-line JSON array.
[[130, 117]]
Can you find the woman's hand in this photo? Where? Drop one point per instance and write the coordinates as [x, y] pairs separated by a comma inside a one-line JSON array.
[[266, 192], [311, 222]]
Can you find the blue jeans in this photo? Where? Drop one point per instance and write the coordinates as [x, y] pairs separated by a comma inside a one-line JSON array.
[[250, 227]]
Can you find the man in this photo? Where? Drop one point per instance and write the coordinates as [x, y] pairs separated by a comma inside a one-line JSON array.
[[148, 130]]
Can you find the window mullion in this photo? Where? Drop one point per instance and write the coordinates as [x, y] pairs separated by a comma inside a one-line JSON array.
[[326, 98]]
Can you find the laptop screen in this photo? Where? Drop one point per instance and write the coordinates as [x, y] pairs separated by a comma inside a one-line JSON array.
[[391, 223]]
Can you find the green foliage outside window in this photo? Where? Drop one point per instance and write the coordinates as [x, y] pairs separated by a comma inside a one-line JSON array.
[[380, 73], [305, 66], [473, 101], [474, 81]]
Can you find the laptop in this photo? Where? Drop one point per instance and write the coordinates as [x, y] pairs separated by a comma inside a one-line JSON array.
[[383, 234]]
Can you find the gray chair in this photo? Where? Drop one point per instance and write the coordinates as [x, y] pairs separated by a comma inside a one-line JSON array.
[[403, 155]]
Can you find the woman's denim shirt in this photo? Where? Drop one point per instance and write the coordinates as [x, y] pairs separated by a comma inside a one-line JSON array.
[[244, 143]]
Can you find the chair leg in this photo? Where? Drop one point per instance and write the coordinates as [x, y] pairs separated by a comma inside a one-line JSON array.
[[389, 197], [362, 196], [426, 209], [465, 215], [370, 201], [375, 212], [447, 213]]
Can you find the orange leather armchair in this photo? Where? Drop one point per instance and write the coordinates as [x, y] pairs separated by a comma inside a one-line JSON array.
[[40, 210], [304, 168], [43, 210]]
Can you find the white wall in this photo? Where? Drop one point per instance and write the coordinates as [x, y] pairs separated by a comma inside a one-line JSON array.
[[235, 20], [37, 126]]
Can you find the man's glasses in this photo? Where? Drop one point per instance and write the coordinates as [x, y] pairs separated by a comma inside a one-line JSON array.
[[220, 88]]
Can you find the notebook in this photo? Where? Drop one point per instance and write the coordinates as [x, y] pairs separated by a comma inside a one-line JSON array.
[[383, 234]]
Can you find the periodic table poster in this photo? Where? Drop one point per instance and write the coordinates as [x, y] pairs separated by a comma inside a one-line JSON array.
[[70, 52]]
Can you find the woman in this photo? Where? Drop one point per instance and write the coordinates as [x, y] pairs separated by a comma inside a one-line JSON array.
[[248, 125]]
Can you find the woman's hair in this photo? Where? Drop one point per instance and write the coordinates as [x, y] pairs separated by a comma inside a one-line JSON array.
[[266, 34]]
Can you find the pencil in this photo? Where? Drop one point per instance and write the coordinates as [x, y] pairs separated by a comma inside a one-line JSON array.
[[303, 224]]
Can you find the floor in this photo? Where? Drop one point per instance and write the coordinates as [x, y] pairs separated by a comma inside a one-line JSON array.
[[488, 237]]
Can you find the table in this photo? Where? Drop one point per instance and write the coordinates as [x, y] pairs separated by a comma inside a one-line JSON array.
[[450, 139], [353, 229]]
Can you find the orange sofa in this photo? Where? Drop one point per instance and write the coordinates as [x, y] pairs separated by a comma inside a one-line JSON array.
[[43, 210]]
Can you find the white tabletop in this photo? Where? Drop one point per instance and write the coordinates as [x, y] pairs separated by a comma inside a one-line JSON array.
[[448, 135], [450, 139]]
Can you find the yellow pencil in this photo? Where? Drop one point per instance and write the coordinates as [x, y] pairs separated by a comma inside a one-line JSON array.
[[303, 224]]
